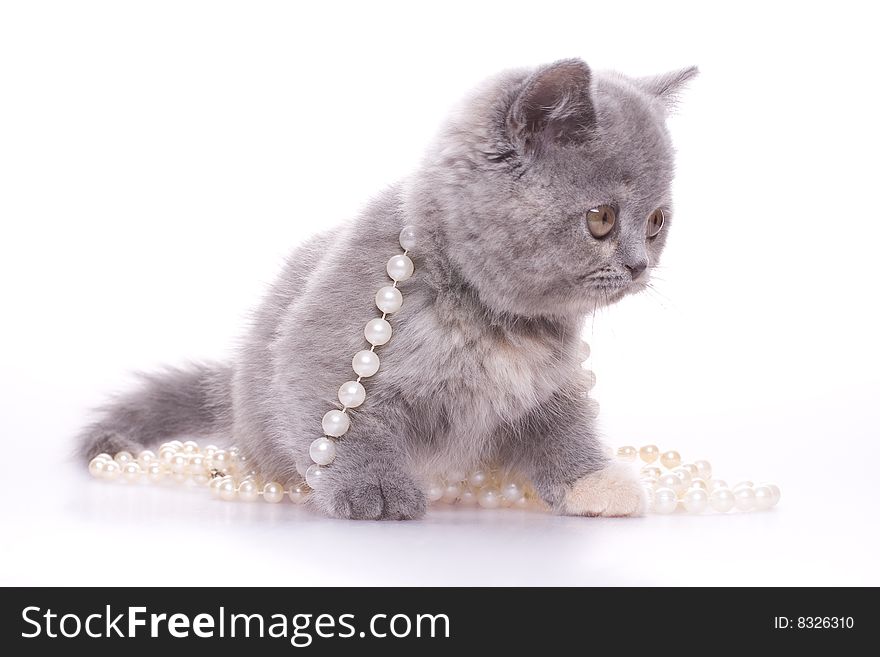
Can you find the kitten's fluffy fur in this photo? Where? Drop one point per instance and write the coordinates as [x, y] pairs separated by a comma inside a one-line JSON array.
[[482, 368]]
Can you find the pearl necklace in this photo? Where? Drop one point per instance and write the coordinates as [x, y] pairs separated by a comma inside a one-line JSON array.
[[690, 486], [365, 363], [670, 485], [225, 471], [227, 474]]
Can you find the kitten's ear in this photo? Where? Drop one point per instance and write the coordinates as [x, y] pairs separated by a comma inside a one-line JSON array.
[[668, 86], [554, 106]]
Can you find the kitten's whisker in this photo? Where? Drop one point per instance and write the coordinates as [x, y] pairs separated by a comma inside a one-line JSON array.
[[662, 296]]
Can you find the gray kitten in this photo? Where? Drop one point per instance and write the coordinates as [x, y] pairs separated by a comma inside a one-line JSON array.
[[536, 205]]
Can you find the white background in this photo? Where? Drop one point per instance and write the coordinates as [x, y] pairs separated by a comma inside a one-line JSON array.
[[157, 161]]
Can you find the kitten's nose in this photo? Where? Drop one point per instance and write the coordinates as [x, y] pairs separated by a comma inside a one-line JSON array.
[[637, 268]]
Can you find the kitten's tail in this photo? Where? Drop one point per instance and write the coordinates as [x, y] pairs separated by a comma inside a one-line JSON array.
[[174, 403]]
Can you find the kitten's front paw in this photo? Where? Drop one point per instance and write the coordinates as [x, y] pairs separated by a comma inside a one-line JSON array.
[[374, 494], [613, 491]]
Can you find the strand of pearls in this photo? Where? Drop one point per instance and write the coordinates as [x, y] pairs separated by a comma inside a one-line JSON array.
[[224, 471], [489, 489], [365, 363], [671, 484], [227, 474]]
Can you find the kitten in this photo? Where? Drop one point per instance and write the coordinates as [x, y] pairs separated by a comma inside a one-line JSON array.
[[536, 205]]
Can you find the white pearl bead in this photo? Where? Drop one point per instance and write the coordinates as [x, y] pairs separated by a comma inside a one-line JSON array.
[[248, 491], [715, 484], [589, 378], [96, 466], [190, 447], [512, 492], [451, 493], [468, 498], [365, 363], [776, 493], [200, 477], [649, 453], [227, 489], [273, 492], [651, 471], [627, 453], [699, 483], [299, 493], [314, 476], [111, 470], [123, 457], [764, 497], [670, 459], [399, 267], [684, 475], [335, 423], [704, 469], [696, 500], [176, 444], [409, 237], [179, 463], [435, 490], [352, 394], [671, 480], [743, 484], [478, 479], [131, 471], [377, 331], [196, 464], [145, 457], [665, 500], [745, 498], [722, 500], [389, 299], [322, 450], [209, 450], [220, 461], [155, 471], [489, 498], [105, 456], [215, 484], [584, 350], [691, 469]]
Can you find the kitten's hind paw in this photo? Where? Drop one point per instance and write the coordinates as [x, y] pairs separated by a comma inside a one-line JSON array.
[[613, 491], [374, 495]]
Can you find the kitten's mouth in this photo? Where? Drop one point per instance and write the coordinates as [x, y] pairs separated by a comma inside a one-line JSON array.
[[612, 288], [606, 283]]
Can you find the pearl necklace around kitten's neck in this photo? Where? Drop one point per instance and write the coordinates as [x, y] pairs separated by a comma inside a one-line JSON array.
[[686, 486]]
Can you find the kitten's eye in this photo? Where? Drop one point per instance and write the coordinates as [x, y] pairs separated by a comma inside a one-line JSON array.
[[600, 220], [655, 222]]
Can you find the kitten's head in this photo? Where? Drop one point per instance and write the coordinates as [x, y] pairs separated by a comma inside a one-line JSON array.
[[549, 190]]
